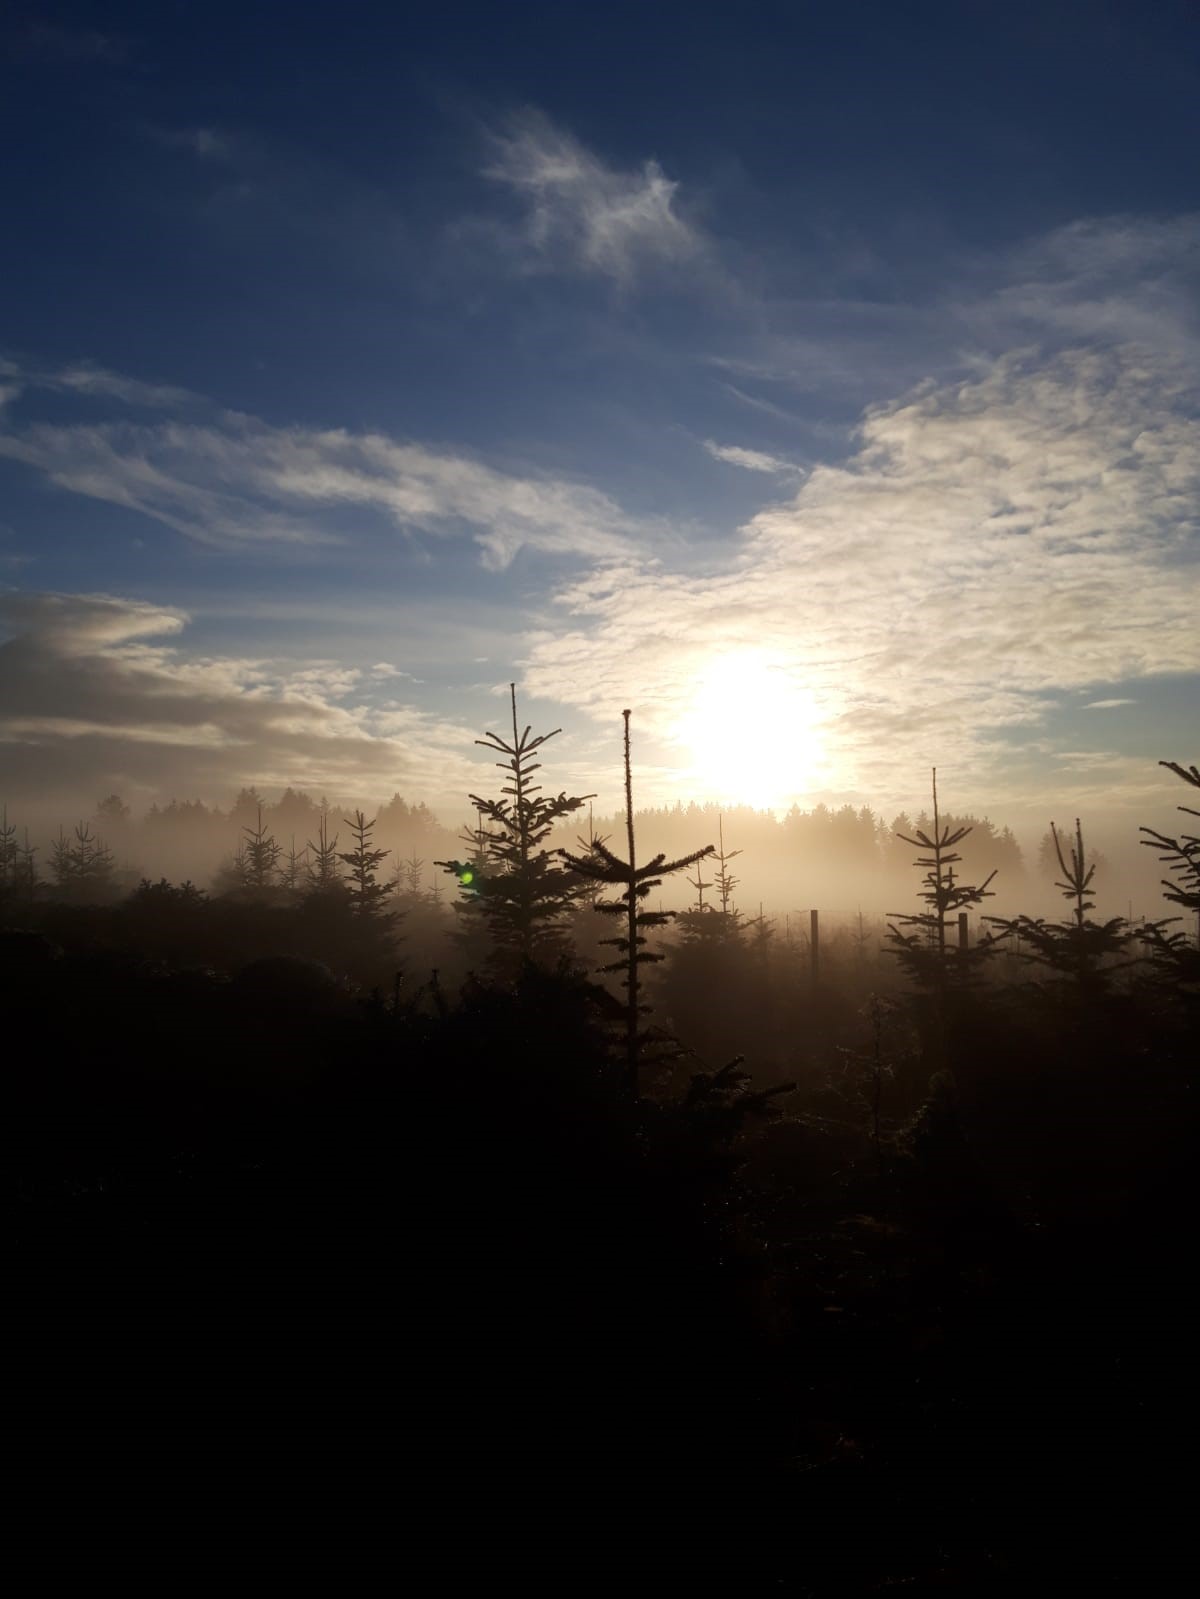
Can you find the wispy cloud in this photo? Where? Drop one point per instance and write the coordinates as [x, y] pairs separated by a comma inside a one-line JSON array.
[[579, 211], [750, 460], [237, 480], [1106, 705], [87, 379], [990, 544]]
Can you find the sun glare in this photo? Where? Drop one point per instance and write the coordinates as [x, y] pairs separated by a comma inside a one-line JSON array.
[[751, 732]]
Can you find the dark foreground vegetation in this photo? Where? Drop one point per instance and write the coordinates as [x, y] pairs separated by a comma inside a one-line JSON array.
[[494, 1259]]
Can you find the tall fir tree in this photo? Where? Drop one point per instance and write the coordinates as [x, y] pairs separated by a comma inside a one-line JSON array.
[[635, 883], [259, 860], [368, 896], [324, 875], [1176, 955], [931, 959], [522, 892]]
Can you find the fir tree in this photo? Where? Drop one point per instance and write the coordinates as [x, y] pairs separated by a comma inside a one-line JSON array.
[[1078, 948], [726, 882], [1174, 955], [367, 893], [636, 883], [413, 868], [699, 884], [324, 876], [523, 894], [925, 953], [260, 854], [10, 853], [591, 891], [293, 867], [82, 866], [26, 880]]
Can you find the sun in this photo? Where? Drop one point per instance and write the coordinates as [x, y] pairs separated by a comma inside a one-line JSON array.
[[751, 731]]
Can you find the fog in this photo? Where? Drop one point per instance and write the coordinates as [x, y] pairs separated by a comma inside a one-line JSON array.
[[839, 861]]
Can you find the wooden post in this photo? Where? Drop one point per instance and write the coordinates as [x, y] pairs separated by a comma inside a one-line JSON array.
[[963, 936], [814, 946]]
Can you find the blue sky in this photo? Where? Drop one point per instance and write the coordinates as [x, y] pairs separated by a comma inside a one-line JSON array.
[[824, 377]]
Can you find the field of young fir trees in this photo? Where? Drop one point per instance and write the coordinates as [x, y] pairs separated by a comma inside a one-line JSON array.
[[858, 1249]]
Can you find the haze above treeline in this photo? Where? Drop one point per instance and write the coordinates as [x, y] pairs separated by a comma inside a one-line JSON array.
[[840, 860]]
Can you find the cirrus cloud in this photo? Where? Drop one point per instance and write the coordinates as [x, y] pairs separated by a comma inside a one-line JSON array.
[[991, 544], [578, 210]]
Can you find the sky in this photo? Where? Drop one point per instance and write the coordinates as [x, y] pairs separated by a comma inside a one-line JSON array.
[[821, 382]]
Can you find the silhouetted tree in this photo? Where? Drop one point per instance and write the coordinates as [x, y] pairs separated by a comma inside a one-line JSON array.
[[259, 859], [924, 951], [726, 882], [324, 877], [522, 893], [1078, 948], [292, 871], [367, 894], [636, 883], [1174, 955], [82, 866], [9, 852], [699, 884]]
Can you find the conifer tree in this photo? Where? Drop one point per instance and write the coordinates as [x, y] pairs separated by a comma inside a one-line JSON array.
[[324, 877], [699, 884], [259, 858], [293, 867], [1078, 948], [521, 891], [367, 893], [10, 852], [635, 883], [82, 865], [591, 891], [726, 882], [470, 933], [1174, 954], [925, 953], [27, 878], [412, 869]]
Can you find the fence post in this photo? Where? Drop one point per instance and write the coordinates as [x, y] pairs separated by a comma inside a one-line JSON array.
[[814, 944]]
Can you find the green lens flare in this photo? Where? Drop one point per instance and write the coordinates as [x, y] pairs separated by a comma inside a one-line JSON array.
[[466, 877]]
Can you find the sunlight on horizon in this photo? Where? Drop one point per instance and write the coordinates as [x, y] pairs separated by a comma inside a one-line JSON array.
[[751, 732]]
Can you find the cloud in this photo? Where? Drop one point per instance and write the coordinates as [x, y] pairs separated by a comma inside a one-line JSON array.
[[751, 460], [1106, 705], [583, 213], [990, 544], [84, 378], [96, 695], [237, 481]]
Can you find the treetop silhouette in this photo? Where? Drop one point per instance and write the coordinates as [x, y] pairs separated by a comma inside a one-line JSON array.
[[600, 865]]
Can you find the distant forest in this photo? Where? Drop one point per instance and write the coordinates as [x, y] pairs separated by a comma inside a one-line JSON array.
[[834, 857]]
